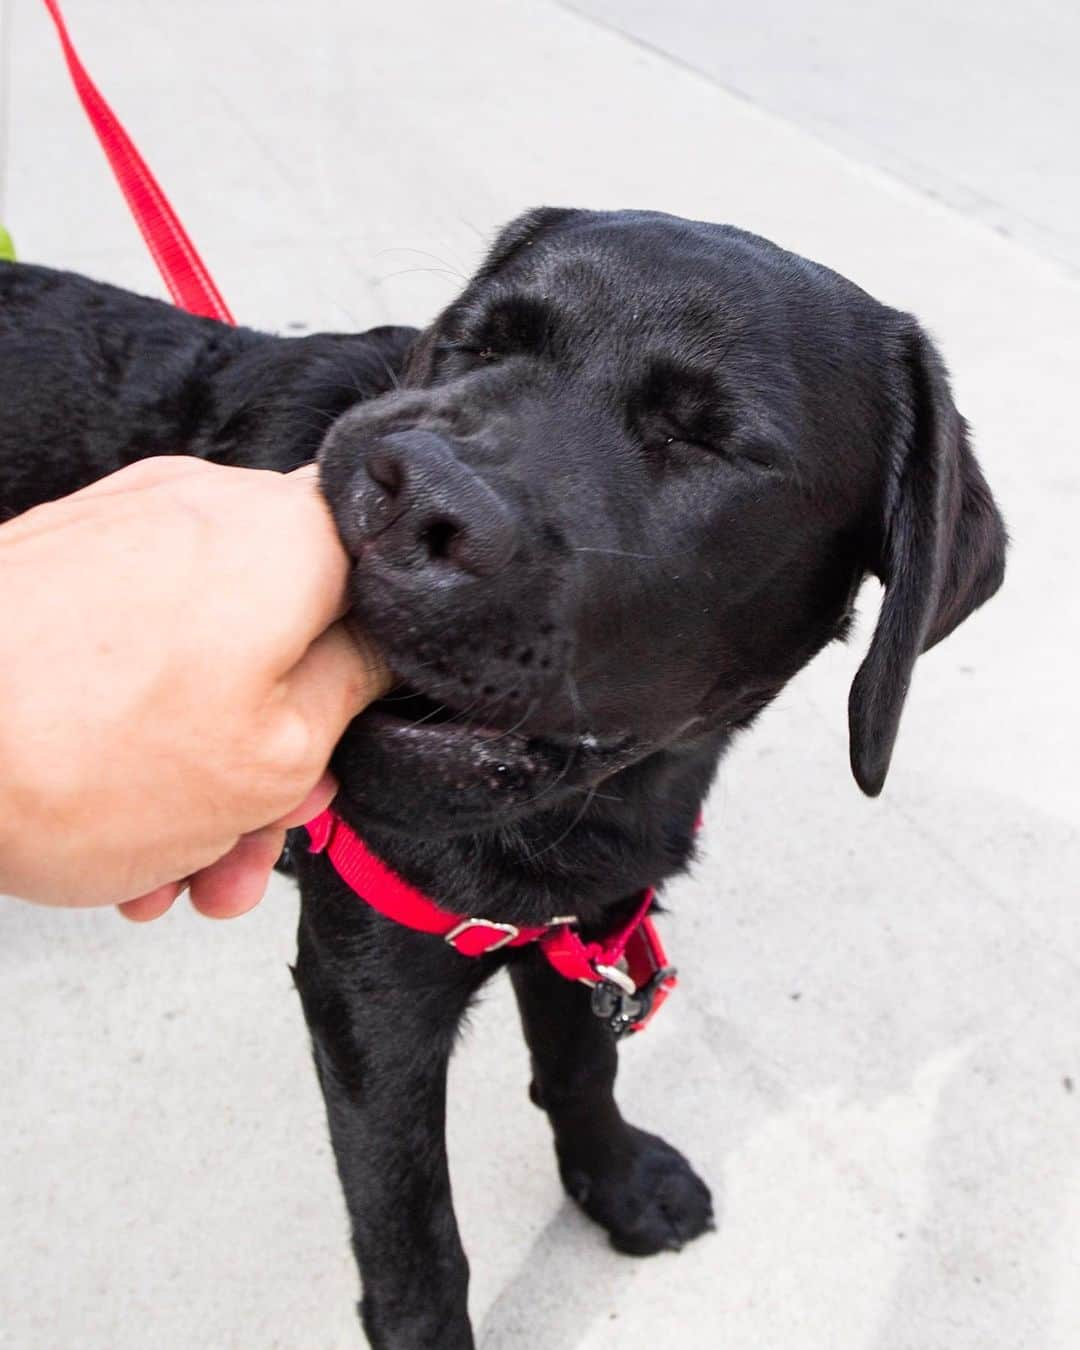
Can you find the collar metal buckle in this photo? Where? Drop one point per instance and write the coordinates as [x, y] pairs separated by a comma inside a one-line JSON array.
[[617, 976], [509, 932]]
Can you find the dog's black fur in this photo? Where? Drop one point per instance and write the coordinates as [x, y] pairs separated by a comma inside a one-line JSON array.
[[601, 511]]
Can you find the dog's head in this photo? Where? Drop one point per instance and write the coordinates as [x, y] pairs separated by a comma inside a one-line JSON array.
[[630, 484]]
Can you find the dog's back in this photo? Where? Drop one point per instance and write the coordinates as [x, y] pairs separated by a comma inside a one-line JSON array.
[[93, 377]]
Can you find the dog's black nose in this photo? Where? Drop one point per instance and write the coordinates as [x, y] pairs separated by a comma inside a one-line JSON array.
[[415, 505]]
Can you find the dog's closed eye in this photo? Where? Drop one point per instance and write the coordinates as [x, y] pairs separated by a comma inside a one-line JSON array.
[[662, 436], [676, 408], [514, 326], [465, 354]]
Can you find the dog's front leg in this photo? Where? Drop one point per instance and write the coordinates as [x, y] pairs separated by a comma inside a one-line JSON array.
[[383, 1004], [637, 1186]]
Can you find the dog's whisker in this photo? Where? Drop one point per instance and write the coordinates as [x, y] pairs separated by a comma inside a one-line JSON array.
[[321, 413], [422, 665], [627, 553], [391, 372], [408, 271], [435, 712], [423, 253], [270, 404], [470, 225], [575, 698], [615, 552], [464, 717], [598, 796], [569, 829], [519, 723], [556, 782]]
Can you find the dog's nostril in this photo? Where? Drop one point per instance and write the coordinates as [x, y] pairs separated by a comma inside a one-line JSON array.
[[438, 538], [421, 506], [385, 470]]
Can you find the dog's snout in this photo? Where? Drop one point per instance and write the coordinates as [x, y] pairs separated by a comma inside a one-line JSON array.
[[416, 505]]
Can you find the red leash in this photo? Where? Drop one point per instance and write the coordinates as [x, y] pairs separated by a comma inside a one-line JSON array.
[[178, 262], [627, 970]]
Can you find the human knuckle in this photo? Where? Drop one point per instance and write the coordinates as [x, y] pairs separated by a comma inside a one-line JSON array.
[[290, 746]]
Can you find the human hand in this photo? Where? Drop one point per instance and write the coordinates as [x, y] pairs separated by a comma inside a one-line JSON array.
[[174, 678]]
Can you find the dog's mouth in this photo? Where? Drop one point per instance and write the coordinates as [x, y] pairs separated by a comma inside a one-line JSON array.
[[407, 706], [469, 754]]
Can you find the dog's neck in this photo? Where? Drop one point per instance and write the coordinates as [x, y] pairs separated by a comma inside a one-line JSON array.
[[582, 857]]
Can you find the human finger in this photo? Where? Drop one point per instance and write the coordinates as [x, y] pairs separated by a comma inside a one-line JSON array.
[[338, 676], [317, 800], [237, 882], [153, 904]]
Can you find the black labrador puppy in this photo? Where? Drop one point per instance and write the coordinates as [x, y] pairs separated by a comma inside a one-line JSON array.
[[619, 492]]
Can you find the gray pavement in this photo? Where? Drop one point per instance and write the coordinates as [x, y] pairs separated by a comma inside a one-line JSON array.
[[976, 104], [874, 1055]]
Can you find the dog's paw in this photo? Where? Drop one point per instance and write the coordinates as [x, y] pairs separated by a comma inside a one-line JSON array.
[[642, 1191]]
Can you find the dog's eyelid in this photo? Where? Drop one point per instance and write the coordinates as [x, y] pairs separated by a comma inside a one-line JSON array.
[[483, 352], [752, 454], [759, 458], [509, 324], [664, 430], [469, 347], [763, 452]]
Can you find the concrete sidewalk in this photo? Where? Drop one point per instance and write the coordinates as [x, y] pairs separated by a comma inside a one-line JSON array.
[[873, 1054]]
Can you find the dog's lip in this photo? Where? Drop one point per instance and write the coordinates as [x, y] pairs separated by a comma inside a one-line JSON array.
[[442, 730], [379, 716], [466, 757]]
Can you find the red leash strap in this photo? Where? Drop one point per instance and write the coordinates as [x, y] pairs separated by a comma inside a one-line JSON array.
[[181, 267]]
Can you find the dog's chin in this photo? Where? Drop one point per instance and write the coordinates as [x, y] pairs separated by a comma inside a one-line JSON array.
[[422, 776]]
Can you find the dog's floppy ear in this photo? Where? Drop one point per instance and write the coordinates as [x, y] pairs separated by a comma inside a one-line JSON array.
[[940, 552], [522, 232]]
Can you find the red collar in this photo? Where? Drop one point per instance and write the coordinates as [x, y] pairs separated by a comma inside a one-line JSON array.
[[627, 970]]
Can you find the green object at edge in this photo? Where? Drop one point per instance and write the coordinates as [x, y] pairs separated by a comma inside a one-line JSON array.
[[7, 248]]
